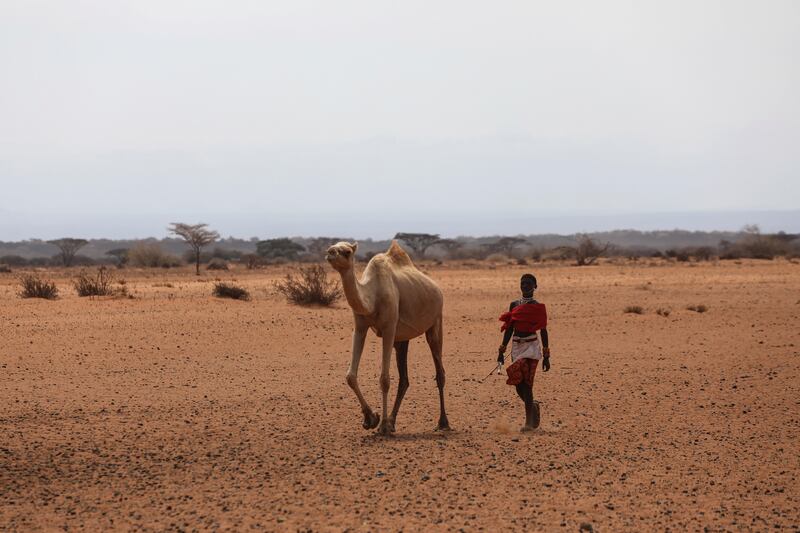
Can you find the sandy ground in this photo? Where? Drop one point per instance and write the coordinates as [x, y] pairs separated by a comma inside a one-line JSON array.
[[179, 411]]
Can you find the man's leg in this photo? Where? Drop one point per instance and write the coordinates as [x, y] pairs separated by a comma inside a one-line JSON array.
[[532, 415], [520, 387], [526, 393]]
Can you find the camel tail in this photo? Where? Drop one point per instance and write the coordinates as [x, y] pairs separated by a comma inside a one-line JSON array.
[[398, 255]]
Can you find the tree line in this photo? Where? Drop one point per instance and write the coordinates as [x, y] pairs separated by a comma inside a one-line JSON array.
[[197, 240]]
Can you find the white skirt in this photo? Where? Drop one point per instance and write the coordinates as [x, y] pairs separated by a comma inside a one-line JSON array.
[[525, 348]]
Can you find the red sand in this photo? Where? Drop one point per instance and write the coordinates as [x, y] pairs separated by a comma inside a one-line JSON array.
[[176, 410]]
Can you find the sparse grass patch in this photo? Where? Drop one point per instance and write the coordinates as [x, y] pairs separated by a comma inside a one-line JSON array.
[[98, 285], [635, 309], [35, 287], [229, 290], [309, 287], [698, 308], [661, 311]]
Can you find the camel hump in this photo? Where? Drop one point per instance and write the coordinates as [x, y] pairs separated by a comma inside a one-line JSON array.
[[398, 255]]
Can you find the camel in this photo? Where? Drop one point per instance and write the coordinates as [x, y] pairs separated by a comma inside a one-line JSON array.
[[399, 303]]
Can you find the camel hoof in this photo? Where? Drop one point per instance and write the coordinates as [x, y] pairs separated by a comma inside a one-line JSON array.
[[443, 425], [371, 420], [385, 429]]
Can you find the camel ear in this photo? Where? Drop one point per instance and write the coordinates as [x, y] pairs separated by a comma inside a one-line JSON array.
[[354, 247]]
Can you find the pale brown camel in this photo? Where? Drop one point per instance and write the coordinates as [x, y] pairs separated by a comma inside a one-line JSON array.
[[398, 302]]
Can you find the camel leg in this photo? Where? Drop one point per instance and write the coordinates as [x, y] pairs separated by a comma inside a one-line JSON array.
[[388, 343], [359, 335], [401, 354], [435, 338]]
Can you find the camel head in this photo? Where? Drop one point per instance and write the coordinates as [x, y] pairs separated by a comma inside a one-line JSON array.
[[342, 255]]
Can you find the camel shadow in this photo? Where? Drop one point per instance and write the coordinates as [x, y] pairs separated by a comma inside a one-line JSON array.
[[375, 438]]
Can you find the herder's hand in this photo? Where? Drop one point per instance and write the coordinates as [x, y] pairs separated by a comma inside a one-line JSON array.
[[546, 363], [500, 357]]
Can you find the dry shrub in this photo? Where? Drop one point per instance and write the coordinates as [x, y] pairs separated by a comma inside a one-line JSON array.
[[35, 287], [702, 253], [498, 258], [311, 286], [13, 260], [588, 251], [560, 253], [252, 261], [635, 309], [217, 264], [99, 285], [4, 269], [151, 255], [229, 290], [661, 311], [698, 308]]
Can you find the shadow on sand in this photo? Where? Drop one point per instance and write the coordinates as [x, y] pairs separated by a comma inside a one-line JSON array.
[[375, 438]]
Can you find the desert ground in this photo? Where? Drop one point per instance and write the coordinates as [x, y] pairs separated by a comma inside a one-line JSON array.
[[175, 410]]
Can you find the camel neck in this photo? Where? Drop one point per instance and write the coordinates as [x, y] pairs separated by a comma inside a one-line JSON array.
[[353, 292]]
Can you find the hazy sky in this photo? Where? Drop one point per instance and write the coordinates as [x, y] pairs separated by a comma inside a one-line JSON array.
[[319, 117]]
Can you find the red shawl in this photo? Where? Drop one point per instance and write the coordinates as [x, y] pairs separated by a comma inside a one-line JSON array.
[[525, 318]]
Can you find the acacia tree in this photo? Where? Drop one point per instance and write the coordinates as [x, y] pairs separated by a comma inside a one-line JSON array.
[[588, 251], [450, 245], [320, 245], [120, 254], [419, 242], [196, 235], [68, 247], [283, 247], [507, 244]]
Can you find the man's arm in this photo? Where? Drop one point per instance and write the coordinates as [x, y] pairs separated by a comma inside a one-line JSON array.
[[545, 350], [507, 334]]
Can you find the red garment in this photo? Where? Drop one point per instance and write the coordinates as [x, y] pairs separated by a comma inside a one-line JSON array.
[[522, 370], [525, 318]]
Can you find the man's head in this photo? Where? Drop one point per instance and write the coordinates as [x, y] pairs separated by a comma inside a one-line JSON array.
[[527, 284]]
